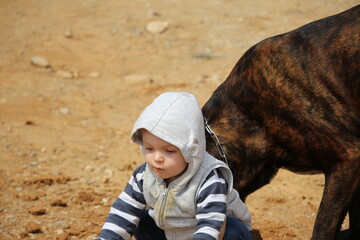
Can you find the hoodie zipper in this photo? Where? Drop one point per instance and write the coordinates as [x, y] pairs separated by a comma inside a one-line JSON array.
[[162, 207]]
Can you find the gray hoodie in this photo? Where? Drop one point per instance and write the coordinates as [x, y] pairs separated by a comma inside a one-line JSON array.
[[177, 119]]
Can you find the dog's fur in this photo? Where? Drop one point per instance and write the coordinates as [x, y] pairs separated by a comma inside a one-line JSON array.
[[293, 101]]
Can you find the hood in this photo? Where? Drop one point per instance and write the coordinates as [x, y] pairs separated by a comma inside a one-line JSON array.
[[176, 118]]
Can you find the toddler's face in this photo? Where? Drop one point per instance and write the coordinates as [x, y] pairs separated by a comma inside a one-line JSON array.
[[165, 159]]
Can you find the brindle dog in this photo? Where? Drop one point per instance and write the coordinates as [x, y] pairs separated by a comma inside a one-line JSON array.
[[293, 101]]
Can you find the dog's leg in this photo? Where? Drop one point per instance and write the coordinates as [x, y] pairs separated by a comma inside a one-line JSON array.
[[354, 215], [338, 192]]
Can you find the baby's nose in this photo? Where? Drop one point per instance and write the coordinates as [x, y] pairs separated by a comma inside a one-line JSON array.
[[158, 156]]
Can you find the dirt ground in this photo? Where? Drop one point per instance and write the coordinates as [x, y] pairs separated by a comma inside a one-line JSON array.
[[75, 75]]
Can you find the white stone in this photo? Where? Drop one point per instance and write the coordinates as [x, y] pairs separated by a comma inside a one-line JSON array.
[[137, 78], [64, 111], [68, 34], [64, 74], [40, 61], [94, 75], [89, 168], [157, 26]]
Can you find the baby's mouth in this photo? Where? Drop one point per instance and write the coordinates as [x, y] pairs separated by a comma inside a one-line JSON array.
[[157, 169]]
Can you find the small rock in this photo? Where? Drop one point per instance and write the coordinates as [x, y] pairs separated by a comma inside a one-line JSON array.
[[76, 231], [49, 69], [11, 218], [9, 129], [34, 163], [58, 203], [68, 34], [37, 211], [62, 224], [241, 19], [135, 78], [33, 227], [126, 167], [23, 234], [64, 111], [63, 236], [29, 122], [31, 197], [108, 175], [101, 154], [136, 32], [89, 168], [40, 61], [94, 75], [91, 237], [42, 160], [215, 78], [157, 26], [153, 13], [64, 74]]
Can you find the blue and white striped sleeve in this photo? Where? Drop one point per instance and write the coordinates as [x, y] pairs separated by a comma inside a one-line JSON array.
[[211, 206], [127, 210]]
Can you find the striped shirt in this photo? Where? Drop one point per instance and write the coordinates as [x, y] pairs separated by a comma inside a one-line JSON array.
[[129, 207]]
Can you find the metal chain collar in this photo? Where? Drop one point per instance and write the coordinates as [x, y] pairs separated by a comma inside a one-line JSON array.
[[216, 140]]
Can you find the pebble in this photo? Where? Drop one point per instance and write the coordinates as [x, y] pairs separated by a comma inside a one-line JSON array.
[[136, 32], [64, 111], [31, 197], [89, 168], [64, 74], [40, 61], [94, 74], [68, 34], [62, 224], [11, 218], [108, 175], [153, 13], [58, 203], [108, 172], [37, 211], [33, 227], [127, 167], [215, 78], [157, 26], [63, 236], [137, 78], [101, 154], [75, 231], [34, 163]]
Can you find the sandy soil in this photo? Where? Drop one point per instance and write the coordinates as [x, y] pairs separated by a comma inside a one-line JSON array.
[[65, 118]]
